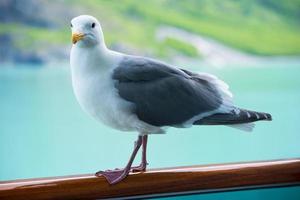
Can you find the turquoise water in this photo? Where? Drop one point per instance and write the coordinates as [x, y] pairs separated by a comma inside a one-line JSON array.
[[288, 193], [43, 131]]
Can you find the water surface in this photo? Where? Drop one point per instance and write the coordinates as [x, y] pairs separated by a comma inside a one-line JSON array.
[[43, 131]]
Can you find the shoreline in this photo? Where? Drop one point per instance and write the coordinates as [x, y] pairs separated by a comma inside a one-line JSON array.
[[216, 54]]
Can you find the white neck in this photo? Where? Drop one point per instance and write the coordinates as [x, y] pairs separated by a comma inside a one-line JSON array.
[[87, 60]]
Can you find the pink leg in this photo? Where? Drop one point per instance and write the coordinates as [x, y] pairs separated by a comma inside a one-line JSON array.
[[117, 175], [143, 165]]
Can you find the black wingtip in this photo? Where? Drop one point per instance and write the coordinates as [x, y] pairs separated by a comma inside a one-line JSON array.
[[269, 117]]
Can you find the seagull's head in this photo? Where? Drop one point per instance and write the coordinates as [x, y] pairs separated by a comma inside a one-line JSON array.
[[86, 31]]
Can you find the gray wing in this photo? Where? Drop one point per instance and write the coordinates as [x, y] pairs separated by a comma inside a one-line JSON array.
[[163, 95]]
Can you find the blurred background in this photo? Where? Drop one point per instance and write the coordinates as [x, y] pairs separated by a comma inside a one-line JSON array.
[[253, 45], [38, 32]]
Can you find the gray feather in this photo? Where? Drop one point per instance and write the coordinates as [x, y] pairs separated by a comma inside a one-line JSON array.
[[163, 95]]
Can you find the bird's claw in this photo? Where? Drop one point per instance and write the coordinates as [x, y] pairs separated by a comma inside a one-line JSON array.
[[140, 168], [113, 176]]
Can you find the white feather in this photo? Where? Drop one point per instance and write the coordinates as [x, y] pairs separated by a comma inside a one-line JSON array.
[[248, 127]]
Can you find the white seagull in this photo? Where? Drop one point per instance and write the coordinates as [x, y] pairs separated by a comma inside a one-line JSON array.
[[132, 93]]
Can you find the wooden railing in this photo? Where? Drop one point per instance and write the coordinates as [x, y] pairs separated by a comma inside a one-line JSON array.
[[159, 182]]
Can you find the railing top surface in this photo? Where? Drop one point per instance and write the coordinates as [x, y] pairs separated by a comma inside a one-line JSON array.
[[158, 182]]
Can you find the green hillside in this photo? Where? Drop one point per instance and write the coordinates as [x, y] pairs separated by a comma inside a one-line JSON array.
[[267, 27], [262, 27]]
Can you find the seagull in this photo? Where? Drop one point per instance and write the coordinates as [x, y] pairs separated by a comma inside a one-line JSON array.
[[134, 93]]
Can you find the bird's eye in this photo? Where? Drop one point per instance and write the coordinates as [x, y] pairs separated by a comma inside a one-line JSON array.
[[93, 25], [71, 26]]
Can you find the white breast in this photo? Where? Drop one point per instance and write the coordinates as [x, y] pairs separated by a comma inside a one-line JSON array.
[[94, 89], [98, 97]]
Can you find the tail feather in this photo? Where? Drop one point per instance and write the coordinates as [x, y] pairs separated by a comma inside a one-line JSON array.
[[248, 127], [239, 118]]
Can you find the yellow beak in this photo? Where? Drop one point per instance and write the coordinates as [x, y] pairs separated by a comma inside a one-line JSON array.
[[76, 37]]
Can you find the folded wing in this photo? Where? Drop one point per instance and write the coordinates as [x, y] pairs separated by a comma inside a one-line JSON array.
[[166, 96]]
